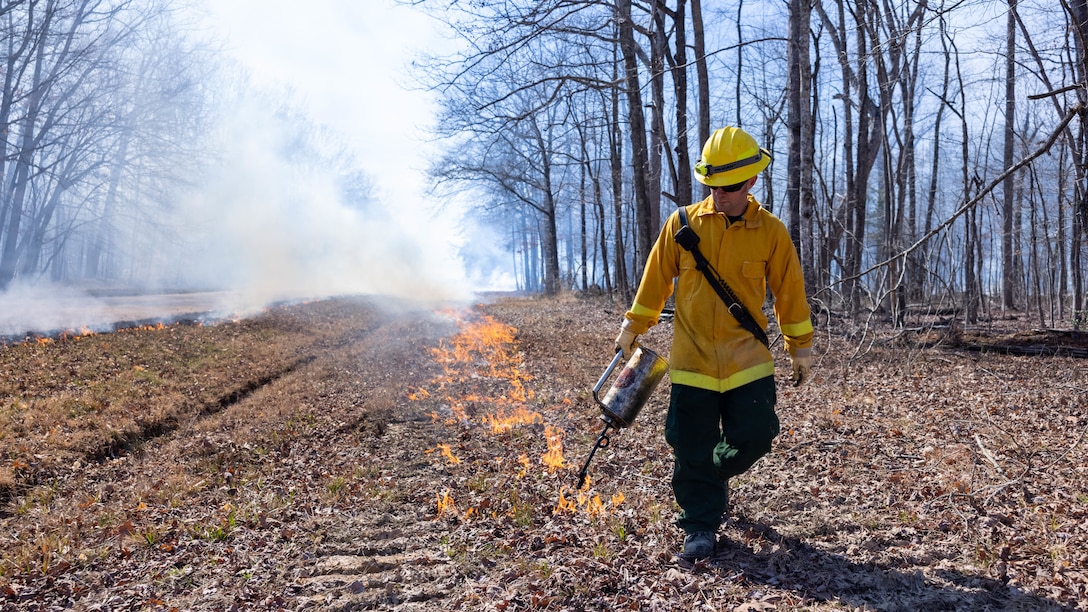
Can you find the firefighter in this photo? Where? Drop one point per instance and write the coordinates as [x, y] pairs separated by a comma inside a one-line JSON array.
[[721, 416]]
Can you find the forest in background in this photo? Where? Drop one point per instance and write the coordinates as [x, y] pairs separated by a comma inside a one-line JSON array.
[[124, 134], [929, 156]]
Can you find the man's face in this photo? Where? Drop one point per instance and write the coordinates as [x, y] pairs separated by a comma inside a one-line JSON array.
[[732, 203]]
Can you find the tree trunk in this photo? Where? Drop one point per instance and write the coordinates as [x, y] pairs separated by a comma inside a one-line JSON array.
[[657, 122], [935, 166], [615, 145], [551, 231], [799, 141], [684, 182], [1078, 10], [738, 94], [701, 74], [640, 167], [602, 238], [1008, 265]]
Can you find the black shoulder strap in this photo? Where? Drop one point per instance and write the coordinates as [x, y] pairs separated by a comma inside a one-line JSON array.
[[687, 238]]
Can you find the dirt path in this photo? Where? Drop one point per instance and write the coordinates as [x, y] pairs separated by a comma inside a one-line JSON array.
[[344, 456]]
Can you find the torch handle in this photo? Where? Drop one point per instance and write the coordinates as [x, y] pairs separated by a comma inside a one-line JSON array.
[[612, 366]]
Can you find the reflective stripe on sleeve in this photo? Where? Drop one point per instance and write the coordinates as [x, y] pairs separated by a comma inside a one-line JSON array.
[[642, 311], [797, 329]]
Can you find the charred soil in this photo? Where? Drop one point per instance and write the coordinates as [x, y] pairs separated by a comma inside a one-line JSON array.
[[369, 454]]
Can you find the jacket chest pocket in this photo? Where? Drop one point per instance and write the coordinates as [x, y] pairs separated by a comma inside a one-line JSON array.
[[689, 280], [753, 270]]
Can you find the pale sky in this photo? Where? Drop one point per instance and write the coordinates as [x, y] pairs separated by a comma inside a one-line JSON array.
[[346, 61]]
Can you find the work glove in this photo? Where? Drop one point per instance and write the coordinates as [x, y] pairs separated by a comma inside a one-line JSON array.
[[801, 367], [627, 340]]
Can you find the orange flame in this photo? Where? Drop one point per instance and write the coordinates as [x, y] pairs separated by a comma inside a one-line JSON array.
[[505, 421], [565, 504], [486, 349], [445, 503], [148, 327], [593, 505], [482, 344], [448, 454], [554, 457]]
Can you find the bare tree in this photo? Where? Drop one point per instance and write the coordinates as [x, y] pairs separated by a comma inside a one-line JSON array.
[[800, 140], [1009, 276], [64, 63], [1078, 13], [640, 163], [701, 73], [856, 189]]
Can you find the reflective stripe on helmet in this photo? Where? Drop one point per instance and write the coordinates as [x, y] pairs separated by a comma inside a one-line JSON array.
[[702, 169]]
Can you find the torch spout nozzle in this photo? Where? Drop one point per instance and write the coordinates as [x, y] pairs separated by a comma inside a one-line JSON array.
[[602, 442]]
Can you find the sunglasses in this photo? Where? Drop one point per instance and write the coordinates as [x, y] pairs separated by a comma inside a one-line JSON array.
[[727, 188]]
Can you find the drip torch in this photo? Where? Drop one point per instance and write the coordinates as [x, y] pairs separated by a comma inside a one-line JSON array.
[[626, 397]]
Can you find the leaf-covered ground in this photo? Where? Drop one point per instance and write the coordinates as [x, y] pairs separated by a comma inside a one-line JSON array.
[[358, 454]]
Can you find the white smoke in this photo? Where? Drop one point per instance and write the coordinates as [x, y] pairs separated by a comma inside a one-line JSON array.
[[271, 219], [271, 224], [25, 307], [267, 221]]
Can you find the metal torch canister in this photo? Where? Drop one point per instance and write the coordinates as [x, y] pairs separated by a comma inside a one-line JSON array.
[[631, 391], [627, 396]]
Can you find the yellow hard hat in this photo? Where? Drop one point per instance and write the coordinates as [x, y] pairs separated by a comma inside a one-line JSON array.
[[730, 156]]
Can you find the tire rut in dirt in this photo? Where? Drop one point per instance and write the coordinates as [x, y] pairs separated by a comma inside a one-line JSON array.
[[388, 554], [385, 553]]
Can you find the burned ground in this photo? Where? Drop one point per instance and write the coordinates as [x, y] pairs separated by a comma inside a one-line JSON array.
[[363, 454]]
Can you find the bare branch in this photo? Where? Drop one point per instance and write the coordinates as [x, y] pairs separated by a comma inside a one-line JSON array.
[[1073, 112]]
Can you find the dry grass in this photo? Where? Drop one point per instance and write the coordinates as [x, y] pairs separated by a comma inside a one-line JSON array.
[[87, 397]]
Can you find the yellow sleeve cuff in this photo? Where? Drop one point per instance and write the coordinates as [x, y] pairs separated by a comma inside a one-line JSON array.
[[642, 318], [795, 330]]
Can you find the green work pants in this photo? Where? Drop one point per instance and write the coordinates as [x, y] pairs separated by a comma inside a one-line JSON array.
[[715, 436]]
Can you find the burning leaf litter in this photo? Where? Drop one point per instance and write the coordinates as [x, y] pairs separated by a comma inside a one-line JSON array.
[[485, 389]]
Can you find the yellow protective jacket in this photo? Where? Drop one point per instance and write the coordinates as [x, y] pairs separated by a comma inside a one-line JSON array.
[[710, 349]]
